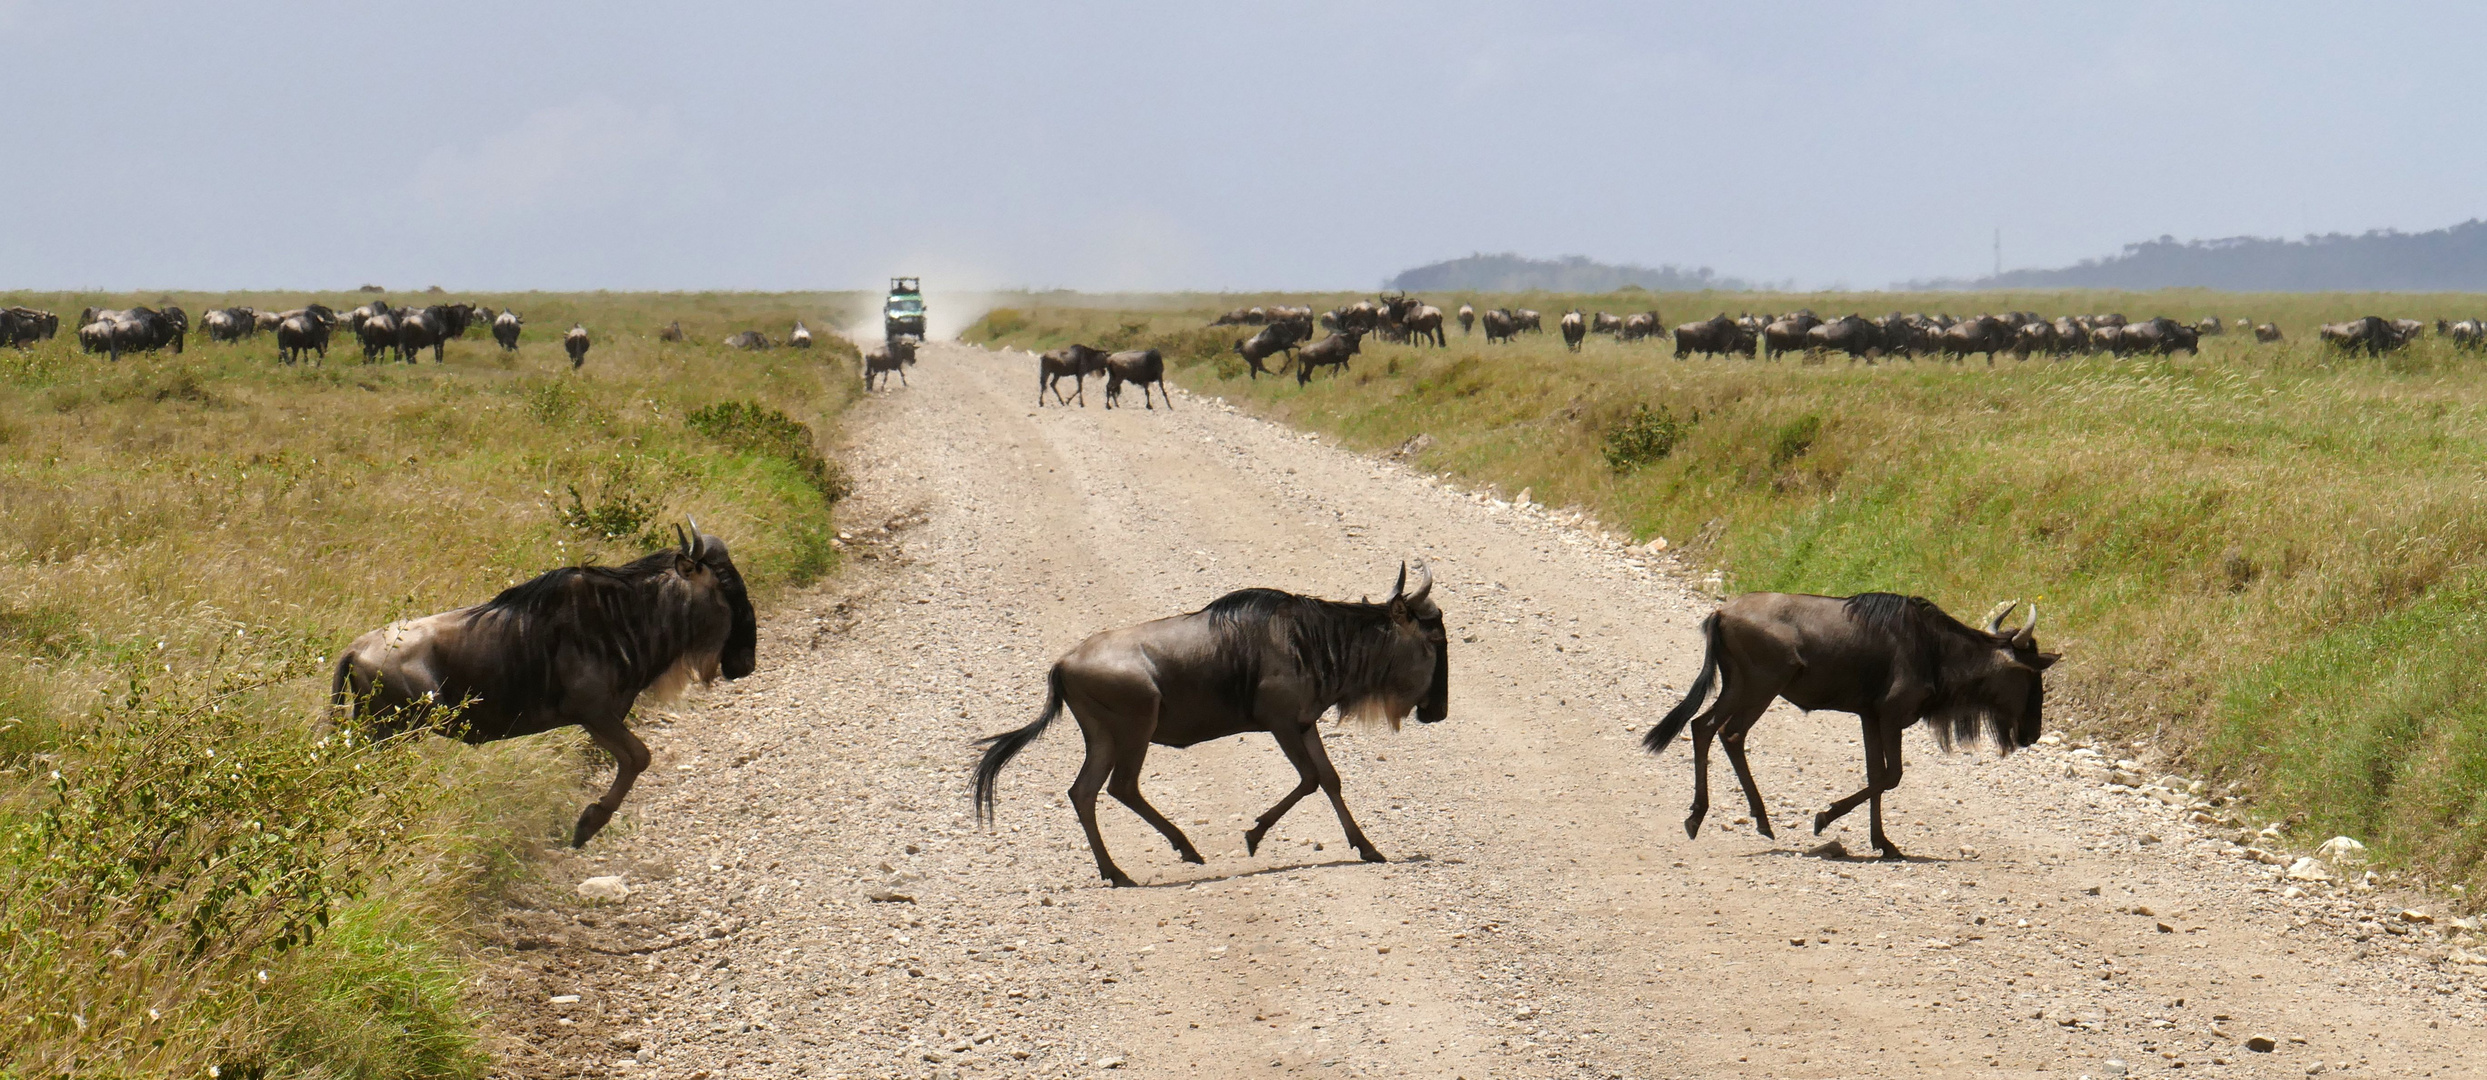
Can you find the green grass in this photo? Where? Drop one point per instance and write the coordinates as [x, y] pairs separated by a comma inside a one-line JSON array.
[[2269, 561], [192, 873]]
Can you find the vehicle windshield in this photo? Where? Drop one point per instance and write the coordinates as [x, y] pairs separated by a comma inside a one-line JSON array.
[[905, 305]]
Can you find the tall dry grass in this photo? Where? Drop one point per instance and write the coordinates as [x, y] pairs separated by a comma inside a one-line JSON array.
[[2269, 561], [191, 873]]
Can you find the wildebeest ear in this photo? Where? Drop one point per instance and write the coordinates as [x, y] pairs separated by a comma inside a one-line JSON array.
[[2043, 661]]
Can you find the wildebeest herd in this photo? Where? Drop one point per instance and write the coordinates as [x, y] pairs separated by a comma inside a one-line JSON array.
[[1143, 368]]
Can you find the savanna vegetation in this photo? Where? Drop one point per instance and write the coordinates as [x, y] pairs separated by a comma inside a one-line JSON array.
[[2268, 562], [193, 874]]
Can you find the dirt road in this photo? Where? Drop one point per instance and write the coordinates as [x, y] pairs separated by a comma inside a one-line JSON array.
[[813, 897]]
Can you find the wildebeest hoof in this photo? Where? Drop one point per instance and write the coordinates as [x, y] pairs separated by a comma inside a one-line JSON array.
[[1821, 821], [1371, 855], [1121, 881], [1692, 828], [1762, 825], [591, 821], [1252, 843], [1193, 857]]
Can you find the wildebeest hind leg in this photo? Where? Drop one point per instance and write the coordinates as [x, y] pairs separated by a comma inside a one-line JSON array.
[[630, 758], [1125, 787], [1092, 774]]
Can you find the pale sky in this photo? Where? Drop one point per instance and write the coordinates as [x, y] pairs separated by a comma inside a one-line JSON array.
[[520, 145]]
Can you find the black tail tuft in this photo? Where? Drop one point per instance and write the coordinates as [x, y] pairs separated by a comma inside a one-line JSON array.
[[1673, 725], [999, 749]]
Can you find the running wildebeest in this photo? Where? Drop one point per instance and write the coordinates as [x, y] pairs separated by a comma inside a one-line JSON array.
[[1574, 329], [1334, 349], [1273, 339], [505, 328], [578, 645], [1073, 362], [1891, 660], [801, 338], [1467, 318], [576, 344], [890, 356], [1253, 660], [1142, 367], [1499, 326]]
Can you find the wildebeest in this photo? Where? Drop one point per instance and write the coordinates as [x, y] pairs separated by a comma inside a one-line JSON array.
[[2034, 336], [138, 329], [1273, 339], [1786, 334], [505, 328], [1603, 323], [1984, 334], [1574, 329], [578, 645], [801, 338], [1712, 337], [1074, 362], [1424, 323], [1141, 367], [2466, 334], [1636, 327], [1527, 321], [673, 332], [2266, 333], [1253, 660], [378, 332], [1851, 334], [576, 344], [1332, 350], [304, 331], [2210, 326], [1499, 326], [1891, 660], [2158, 337], [1467, 318], [228, 324], [888, 357], [420, 329], [23, 326], [2373, 334], [749, 341]]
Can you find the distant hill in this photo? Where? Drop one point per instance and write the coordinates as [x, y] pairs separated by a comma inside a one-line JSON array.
[[1571, 273], [2445, 260]]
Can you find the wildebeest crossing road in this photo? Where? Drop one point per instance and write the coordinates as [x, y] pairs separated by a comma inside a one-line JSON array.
[[815, 898]]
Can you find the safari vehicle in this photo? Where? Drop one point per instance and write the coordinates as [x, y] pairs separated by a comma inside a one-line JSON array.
[[903, 313]]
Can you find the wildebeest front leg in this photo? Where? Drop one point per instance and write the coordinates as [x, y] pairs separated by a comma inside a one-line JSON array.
[[1307, 779], [630, 758], [1891, 769], [1328, 776]]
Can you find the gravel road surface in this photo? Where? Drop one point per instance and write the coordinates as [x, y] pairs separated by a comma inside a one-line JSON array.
[[812, 897]]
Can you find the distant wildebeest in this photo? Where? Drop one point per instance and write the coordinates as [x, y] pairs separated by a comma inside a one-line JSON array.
[[1233, 317], [2265, 333], [1271, 341], [1851, 334], [1984, 334], [2210, 326], [1074, 362], [889, 357], [1574, 329], [1254, 660], [420, 329], [1499, 326], [2373, 334], [2158, 337], [1715, 336], [673, 332], [578, 645], [1330, 351], [2034, 337], [1603, 323], [305, 331], [228, 324], [1527, 321], [1141, 367], [377, 331], [1638, 326], [24, 326], [1467, 319], [801, 338], [576, 344], [1891, 660], [2465, 334], [139, 329], [748, 341], [1424, 324], [505, 328], [1786, 334]]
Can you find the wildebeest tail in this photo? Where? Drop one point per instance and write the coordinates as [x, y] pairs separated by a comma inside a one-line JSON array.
[[1673, 724], [341, 689], [999, 749]]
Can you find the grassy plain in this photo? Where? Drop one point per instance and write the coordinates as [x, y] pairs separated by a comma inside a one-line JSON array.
[[190, 874], [2269, 562]]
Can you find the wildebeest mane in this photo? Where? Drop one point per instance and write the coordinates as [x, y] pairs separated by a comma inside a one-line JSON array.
[[1335, 643], [1926, 636], [601, 611]]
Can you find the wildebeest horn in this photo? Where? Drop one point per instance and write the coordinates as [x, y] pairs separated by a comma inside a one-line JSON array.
[[2027, 635], [686, 541], [1400, 587], [1994, 618], [1424, 583]]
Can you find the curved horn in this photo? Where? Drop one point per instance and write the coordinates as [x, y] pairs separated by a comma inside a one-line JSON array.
[[1399, 588], [1994, 618], [1424, 585], [686, 541], [2027, 635]]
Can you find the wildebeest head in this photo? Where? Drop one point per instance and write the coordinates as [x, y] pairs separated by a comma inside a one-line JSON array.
[[2008, 684], [1414, 669], [702, 554]]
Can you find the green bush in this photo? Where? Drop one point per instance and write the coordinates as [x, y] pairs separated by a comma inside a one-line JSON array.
[[1646, 435], [757, 429]]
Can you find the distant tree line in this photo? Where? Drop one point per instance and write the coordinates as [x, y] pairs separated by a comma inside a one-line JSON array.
[[1570, 274], [2451, 259]]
